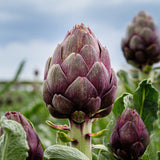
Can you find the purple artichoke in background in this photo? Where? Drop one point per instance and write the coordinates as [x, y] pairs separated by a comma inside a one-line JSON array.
[[141, 46], [78, 80], [35, 149], [130, 137]]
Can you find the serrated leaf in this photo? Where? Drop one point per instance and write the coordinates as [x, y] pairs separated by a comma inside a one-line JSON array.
[[127, 81], [61, 152], [146, 103], [149, 153], [119, 105], [128, 101], [13, 143]]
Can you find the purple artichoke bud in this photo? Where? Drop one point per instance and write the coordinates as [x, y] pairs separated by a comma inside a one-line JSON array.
[[78, 80], [141, 45], [35, 149], [130, 137]]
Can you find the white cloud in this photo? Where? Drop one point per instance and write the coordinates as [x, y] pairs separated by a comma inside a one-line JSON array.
[[37, 51], [48, 6], [66, 6], [8, 17], [63, 6], [111, 38], [34, 52], [115, 2]]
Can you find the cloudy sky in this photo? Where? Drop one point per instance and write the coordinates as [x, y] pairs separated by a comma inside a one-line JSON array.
[[31, 29]]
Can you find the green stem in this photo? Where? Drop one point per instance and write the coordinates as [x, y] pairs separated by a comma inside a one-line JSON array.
[[143, 98], [79, 132], [143, 75]]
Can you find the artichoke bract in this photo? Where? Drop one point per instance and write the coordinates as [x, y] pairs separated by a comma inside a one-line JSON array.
[[141, 46], [35, 149], [78, 80], [130, 137]]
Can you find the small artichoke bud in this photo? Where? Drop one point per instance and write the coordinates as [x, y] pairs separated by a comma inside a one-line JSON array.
[[130, 137], [141, 45], [78, 79], [35, 149]]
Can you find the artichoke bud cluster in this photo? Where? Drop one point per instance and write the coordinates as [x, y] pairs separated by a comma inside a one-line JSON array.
[[141, 45], [78, 80], [130, 137], [35, 149]]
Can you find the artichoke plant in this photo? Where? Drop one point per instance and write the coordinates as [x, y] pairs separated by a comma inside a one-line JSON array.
[[130, 137], [141, 46], [35, 149], [79, 83], [78, 80]]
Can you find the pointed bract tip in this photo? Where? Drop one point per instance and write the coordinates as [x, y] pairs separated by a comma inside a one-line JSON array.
[[83, 26]]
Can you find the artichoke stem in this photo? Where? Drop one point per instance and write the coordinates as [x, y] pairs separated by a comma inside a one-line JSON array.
[[143, 75], [79, 132], [149, 75]]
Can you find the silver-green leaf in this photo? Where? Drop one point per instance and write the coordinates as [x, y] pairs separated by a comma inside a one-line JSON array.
[[61, 152], [13, 143]]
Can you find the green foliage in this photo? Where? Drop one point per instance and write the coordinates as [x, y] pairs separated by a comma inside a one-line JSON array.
[[13, 143], [27, 99], [61, 152], [144, 100], [105, 153], [154, 146], [127, 81], [8, 85], [158, 155], [119, 105], [103, 123], [29, 102], [146, 103]]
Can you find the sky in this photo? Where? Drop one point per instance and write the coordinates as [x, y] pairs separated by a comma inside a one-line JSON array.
[[31, 29]]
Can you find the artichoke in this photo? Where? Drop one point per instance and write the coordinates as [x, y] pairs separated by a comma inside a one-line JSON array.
[[35, 149], [141, 45], [79, 83], [130, 137]]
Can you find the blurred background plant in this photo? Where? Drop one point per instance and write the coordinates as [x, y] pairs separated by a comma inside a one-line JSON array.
[[141, 49], [26, 97]]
